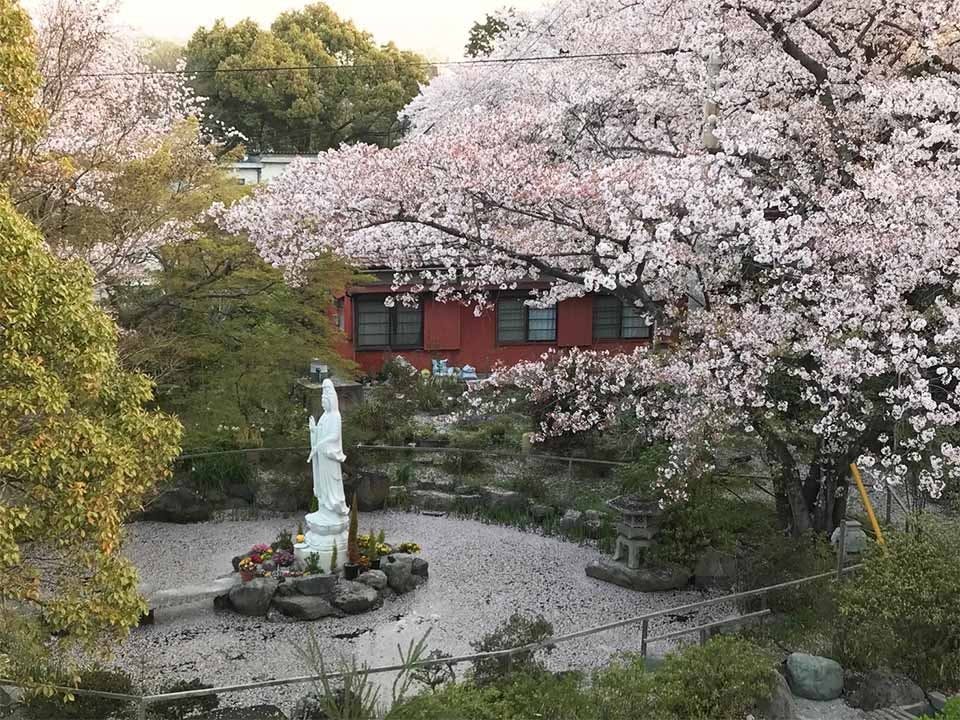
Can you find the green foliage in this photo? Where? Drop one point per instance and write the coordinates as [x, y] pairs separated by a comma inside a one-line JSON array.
[[483, 35], [900, 611], [522, 696], [79, 450], [302, 110], [437, 394], [776, 558], [20, 118], [227, 339], [517, 631], [530, 485], [639, 477], [951, 711], [85, 707], [312, 563], [215, 473], [284, 541], [185, 707], [724, 678], [405, 474]]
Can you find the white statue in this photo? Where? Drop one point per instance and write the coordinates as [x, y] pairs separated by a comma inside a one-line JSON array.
[[327, 526]]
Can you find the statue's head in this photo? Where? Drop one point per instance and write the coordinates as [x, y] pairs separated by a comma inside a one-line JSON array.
[[328, 397]]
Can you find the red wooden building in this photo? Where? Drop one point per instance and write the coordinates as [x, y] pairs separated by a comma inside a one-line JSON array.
[[506, 333]]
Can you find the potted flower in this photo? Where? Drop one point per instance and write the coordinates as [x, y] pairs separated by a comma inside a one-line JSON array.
[[351, 568], [248, 569], [373, 553]]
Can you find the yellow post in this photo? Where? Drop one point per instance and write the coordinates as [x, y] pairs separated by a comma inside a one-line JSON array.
[[866, 502]]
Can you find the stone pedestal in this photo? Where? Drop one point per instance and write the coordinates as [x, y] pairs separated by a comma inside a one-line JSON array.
[[321, 537]]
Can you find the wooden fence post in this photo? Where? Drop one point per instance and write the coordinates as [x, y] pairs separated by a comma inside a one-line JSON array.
[[644, 627]]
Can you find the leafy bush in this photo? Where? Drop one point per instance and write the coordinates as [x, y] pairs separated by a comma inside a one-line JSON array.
[[724, 678], [523, 696], [776, 558], [186, 707], [85, 707], [951, 711], [215, 473], [438, 394], [517, 631], [639, 477], [901, 611]]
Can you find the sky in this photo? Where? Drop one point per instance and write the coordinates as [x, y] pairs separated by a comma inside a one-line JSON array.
[[436, 28]]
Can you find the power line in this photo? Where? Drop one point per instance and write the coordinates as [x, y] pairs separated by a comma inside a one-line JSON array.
[[359, 66]]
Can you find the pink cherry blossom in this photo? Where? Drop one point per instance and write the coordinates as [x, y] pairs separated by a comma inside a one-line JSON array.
[[791, 168]]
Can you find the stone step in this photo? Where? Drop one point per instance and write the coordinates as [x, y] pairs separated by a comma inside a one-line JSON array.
[[187, 594]]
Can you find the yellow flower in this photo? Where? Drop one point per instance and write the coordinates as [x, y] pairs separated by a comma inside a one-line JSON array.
[[300, 538]]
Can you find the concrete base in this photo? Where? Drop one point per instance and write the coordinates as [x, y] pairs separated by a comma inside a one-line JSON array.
[[646, 579], [321, 538]]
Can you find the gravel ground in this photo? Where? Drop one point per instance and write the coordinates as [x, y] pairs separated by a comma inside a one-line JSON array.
[[479, 575]]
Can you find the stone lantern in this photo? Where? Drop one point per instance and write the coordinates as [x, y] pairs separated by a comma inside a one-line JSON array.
[[638, 526]]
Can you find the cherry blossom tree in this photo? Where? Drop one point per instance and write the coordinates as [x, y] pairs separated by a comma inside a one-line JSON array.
[[116, 171], [787, 170]]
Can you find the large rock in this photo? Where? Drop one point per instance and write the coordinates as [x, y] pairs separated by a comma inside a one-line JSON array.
[[571, 522], [403, 572], [655, 578], [432, 499], [178, 505], [253, 598], [304, 607], [370, 486], [814, 677], [715, 569], [782, 705], [377, 579], [322, 585], [355, 597], [878, 689], [500, 500]]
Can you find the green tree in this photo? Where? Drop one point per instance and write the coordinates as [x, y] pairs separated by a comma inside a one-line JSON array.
[[78, 450], [484, 35], [304, 110], [20, 118], [226, 338]]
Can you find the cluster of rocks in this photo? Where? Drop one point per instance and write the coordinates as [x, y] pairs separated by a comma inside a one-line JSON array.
[[312, 597], [822, 679]]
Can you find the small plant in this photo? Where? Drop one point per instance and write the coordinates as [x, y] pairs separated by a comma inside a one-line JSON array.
[[433, 676], [408, 547], [313, 563], [353, 548], [381, 538], [373, 549], [314, 504], [184, 707], [284, 541], [517, 631], [405, 474]]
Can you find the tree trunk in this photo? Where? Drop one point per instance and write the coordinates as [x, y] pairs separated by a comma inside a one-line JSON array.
[[786, 479]]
